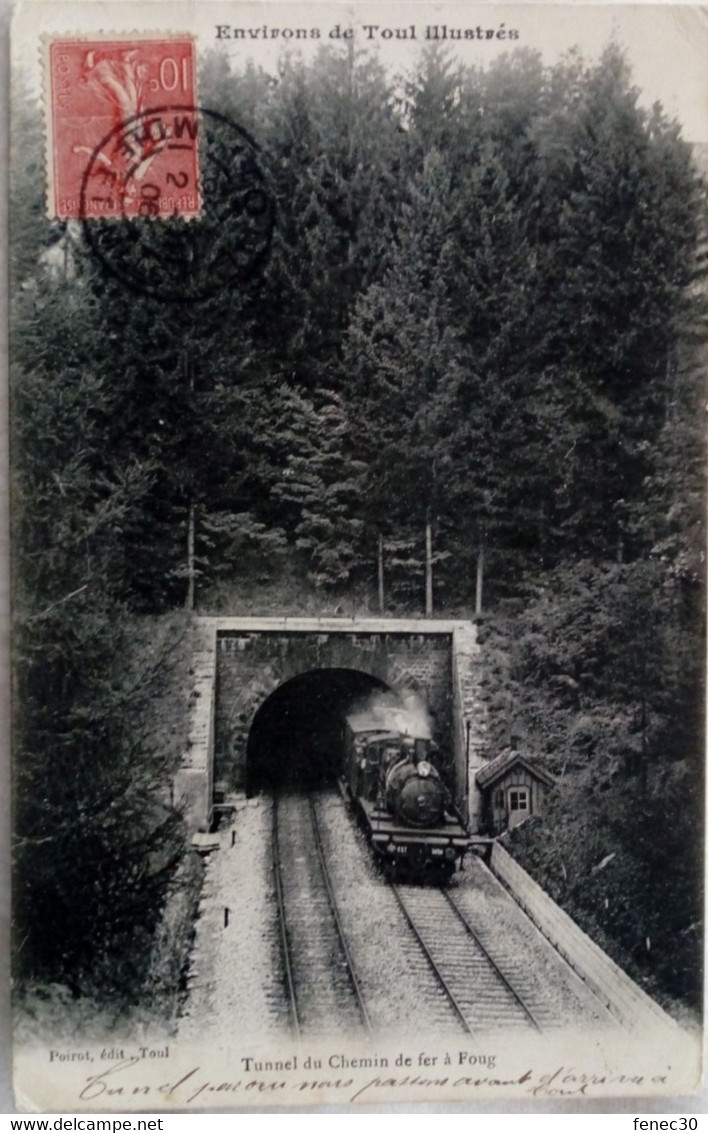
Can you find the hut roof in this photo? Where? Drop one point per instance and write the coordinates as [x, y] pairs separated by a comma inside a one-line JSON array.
[[496, 768]]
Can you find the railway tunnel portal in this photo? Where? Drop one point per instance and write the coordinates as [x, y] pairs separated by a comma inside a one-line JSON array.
[[269, 695], [295, 736]]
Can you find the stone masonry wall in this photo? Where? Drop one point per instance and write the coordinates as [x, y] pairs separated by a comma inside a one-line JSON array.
[[193, 785], [239, 662], [250, 666], [470, 720]]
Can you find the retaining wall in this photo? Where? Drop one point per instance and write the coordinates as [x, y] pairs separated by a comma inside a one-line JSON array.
[[631, 1006]]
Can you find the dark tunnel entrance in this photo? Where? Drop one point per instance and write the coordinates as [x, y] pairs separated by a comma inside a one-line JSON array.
[[295, 737]]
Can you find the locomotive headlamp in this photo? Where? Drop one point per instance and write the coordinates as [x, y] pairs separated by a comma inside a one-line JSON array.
[[424, 769]]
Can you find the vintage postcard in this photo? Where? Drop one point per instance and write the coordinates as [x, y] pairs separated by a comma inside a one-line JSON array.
[[357, 381]]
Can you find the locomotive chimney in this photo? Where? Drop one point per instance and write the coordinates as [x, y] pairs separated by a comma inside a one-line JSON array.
[[421, 750]]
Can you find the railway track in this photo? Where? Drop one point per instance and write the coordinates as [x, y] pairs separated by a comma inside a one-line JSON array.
[[320, 980], [479, 994]]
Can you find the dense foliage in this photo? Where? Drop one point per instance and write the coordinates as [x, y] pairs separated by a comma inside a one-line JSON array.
[[480, 315], [598, 674]]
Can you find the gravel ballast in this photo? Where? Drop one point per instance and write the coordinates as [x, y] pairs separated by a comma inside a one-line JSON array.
[[236, 980]]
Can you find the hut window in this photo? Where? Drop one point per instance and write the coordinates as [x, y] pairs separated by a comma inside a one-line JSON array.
[[519, 799]]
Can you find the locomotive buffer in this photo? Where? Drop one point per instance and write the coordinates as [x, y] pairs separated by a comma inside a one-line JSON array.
[[415, 846]]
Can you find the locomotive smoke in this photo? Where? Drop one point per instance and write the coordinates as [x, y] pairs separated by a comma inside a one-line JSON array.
[[392, 712]]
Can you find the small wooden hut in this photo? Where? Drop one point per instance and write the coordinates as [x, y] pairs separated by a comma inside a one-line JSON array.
[[513, 788]]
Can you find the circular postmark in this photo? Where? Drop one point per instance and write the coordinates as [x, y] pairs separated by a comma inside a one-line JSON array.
[[175, 204]]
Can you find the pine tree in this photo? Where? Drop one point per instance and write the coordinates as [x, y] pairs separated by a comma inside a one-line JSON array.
[[96, 841], [316, 481], [333, 145], [616, 224], [404, 359]]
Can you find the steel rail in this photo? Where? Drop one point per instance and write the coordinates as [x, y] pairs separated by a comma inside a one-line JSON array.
[[432, 964], [334, 909], [285, 939], [508, 985]]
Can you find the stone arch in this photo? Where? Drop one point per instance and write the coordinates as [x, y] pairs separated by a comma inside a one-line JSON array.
[[295, 733], [254, 659]]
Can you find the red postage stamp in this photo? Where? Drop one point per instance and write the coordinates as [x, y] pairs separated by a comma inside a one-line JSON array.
[[122, 128]]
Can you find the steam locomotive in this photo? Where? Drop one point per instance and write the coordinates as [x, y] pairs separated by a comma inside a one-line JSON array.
[[401, 799]]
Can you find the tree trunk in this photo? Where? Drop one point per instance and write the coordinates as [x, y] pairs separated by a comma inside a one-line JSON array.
[[620, 548], [189, 601], [480, 581], [190, 560], [428, 569]]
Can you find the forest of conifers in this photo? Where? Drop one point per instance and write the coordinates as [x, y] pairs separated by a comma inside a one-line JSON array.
[[482, 312]]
